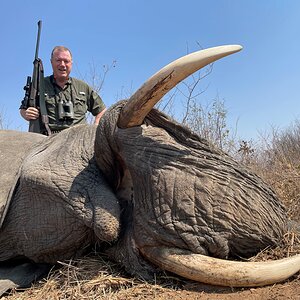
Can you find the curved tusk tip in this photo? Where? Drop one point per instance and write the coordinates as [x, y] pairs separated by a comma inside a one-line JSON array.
[[226, 49], [237, 47]]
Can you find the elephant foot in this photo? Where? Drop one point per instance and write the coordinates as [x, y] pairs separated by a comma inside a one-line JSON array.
[[16, 274]]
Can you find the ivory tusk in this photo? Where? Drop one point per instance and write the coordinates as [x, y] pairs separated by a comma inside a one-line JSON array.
[[222, 272], [144, 99]]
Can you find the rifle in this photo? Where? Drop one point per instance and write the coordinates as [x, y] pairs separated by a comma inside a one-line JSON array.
[[35, 92]]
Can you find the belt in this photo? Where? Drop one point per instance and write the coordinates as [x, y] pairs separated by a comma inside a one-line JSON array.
[[56, 131], [52, 132]]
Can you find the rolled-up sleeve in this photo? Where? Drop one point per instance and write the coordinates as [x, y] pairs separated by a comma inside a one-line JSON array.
[[95, 103]]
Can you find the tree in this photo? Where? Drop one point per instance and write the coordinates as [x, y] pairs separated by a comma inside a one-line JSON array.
[[97, 79], [209, 121], [277, 160], [4, 124]]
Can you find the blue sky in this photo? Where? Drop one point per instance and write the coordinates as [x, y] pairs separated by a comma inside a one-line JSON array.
[[260, 85]]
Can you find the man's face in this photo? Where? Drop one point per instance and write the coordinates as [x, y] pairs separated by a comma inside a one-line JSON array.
[[61, 64]]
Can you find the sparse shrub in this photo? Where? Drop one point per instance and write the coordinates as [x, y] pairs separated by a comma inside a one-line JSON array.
[[278, 162]]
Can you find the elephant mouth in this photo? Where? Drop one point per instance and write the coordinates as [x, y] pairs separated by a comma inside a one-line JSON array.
[[221, 272], [144, 99]]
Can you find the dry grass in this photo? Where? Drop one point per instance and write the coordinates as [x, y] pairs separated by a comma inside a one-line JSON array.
[[289, 247], [282, 173], [95, 278], [279, 164], [91, 277]]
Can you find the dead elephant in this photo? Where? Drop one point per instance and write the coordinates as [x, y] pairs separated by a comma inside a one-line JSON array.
[[156, 193]]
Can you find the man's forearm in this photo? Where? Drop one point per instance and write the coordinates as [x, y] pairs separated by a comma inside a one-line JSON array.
[[98, 117]]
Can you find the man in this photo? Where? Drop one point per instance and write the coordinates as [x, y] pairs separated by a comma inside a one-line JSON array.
[[67, 99]]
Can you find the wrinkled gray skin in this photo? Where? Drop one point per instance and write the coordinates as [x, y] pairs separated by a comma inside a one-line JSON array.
[[186, 193], [150, 185], [61, 203]]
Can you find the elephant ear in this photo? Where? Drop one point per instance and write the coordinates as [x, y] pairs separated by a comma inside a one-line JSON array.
[[14, 146]]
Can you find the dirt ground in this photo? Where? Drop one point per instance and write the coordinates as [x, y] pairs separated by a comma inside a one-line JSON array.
[[191, 291], [95, 278]]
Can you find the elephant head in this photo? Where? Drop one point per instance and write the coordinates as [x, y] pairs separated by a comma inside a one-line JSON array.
[[190, 205], [156, 193]]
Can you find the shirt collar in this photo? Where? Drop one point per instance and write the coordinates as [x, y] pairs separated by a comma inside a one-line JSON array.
[[69, 82]]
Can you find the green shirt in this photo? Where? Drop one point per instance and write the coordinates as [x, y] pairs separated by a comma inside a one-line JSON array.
[[80, 94], [76, 95]]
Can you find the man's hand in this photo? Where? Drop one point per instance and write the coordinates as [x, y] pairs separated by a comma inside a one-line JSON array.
[[31, 113]]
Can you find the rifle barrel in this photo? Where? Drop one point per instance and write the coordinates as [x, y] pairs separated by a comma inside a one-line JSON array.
[[38, 40]]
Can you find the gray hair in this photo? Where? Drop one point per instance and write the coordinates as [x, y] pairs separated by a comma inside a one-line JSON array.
[[60, 48]]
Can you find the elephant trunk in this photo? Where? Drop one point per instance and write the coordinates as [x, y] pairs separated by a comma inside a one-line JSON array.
[[222, 272], [144, 99]]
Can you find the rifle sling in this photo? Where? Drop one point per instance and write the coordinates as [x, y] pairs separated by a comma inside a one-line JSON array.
[[42, 101]]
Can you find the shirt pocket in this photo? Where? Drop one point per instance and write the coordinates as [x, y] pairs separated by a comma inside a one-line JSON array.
[[50, 101], [80, 106]]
